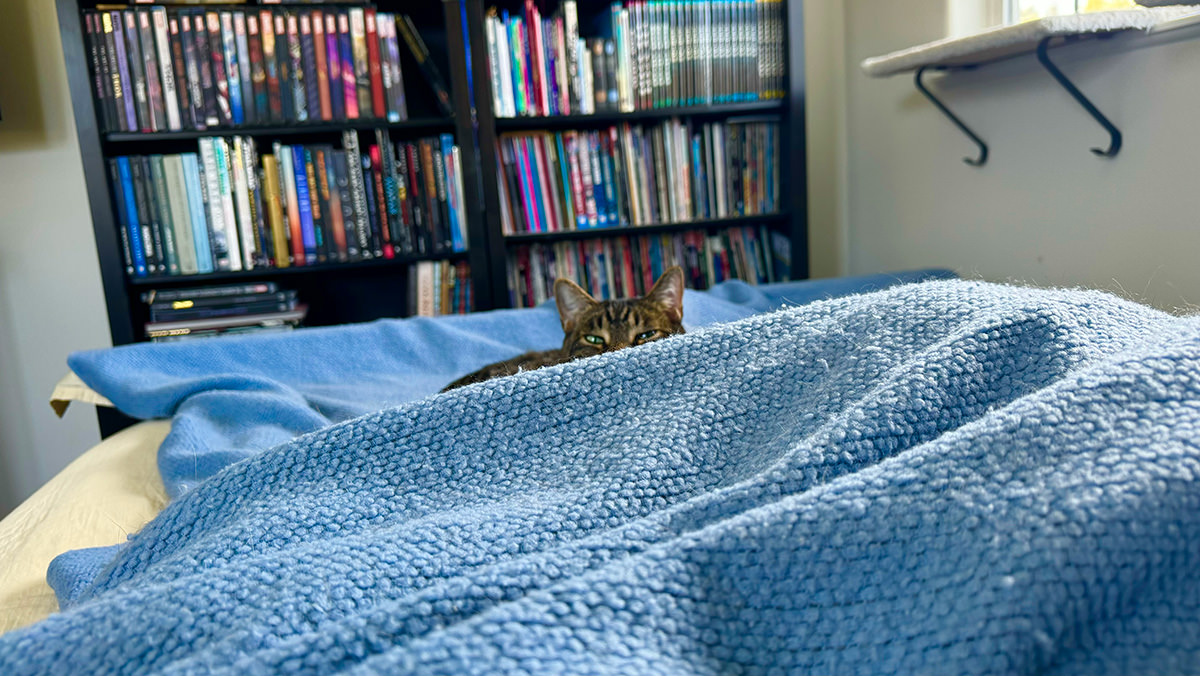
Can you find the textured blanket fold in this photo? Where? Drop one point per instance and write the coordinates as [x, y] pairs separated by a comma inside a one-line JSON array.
[[949, 477]]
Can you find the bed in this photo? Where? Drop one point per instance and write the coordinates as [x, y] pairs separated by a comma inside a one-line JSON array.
[[932, 477]]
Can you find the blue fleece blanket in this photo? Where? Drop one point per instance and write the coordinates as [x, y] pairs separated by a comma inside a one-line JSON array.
[[233, 398], [949, 477]]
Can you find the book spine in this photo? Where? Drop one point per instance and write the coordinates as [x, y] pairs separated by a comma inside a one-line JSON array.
[[123, 95], [183, 92], [390, 190], [337, 97], [154, 89], [258, 70], [375, 70], [358, 193], [230, 221], [101, 93], [459, 237], [136, 84], [321, 59], [156, 196], [156, 257], [308, 60], [204, 96], [233, 72], [404, 201], [399, 105], [349, 79], [131, 243], [375, 234], [316, 207], [245, 79], [162, 43], [296, 71], [216, 52], [271, 66], [362, 68], [331, 204], [290, 197], [273, 207], [421, 53], [341, 174], [240, 189], [211, 194], [283, 66], [416, 194], [199, 219], [383, 204], [180, 215]]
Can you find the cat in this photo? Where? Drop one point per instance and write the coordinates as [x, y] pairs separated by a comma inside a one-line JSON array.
[[594, 327]]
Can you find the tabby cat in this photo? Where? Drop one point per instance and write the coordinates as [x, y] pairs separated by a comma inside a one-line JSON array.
[[594, 327]]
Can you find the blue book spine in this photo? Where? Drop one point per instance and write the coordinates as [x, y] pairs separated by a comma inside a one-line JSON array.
[[232, 70], [191, 180], [132, 218], [569, 215], [535, 170], [457, 241], [610, 184], [699, 181], [303, 201], [598, 187]]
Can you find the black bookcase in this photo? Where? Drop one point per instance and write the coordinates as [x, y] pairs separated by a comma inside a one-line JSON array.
[[335, 293], [455, 32]]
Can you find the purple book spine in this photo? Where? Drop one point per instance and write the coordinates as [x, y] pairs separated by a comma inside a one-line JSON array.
[[123, 67]]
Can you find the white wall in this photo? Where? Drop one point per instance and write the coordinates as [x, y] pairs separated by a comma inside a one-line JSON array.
[[1043, 210], [51, 301]]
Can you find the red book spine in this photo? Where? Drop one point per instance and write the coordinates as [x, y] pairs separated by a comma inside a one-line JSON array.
[[318, 30], [381, 200], [375, 66]]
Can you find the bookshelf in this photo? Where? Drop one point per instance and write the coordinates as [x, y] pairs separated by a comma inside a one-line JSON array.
[[456, 32], [789, 217]]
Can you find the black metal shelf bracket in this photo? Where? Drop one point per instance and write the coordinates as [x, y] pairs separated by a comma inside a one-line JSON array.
[[1114, 143], [983, 149]]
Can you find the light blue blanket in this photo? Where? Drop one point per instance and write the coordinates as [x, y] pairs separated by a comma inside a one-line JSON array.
[[950, 477]]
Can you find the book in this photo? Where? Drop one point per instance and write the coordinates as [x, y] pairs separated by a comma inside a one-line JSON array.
[[262, 319], [324, 102], [183, 98], [315, 206], [296, 73], [420, 53], [101, 78], [127, 213], [197, 217], [274, 209], [157, 195], [137, 71], [216, 52], [333, 57], [308, 61], [358, 194], [258, 70], [289, 194], [362, 68], [348, 68], [123, 94], [140, 207], [233, 70], [374, 67], [245, 78], [271, 66]]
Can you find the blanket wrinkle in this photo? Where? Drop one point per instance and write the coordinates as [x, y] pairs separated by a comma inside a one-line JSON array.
[[987, 479]]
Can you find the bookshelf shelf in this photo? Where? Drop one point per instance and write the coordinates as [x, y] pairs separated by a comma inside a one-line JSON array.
[[291, 271], [418, 124], [601, 119], [698, 224]]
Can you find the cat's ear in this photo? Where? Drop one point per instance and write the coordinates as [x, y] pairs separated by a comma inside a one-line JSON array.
[[572, 303], [668, 293]]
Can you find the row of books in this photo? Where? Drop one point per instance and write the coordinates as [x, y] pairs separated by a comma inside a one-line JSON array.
[[624, 267], [226, 208], [233, 309], [637, 175], [439, 288], [156, 69], [654, 54]]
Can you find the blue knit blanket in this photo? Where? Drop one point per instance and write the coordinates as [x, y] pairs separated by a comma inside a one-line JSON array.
[[948, 477]]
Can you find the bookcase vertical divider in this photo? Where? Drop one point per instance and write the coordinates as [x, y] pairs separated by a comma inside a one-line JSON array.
[[794, 174], [486, 119], [479, 252]]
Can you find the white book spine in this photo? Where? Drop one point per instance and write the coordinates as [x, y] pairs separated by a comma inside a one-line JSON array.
[[228, 216], [162, 40]]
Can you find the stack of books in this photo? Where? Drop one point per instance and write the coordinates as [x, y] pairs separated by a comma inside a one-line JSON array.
[[623, 267], [156, 69], [653, 54], [205, 312], [637, 175], [226, 208]]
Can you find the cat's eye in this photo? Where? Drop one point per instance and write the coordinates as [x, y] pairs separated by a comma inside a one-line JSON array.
[[647, 335], [594, 340]]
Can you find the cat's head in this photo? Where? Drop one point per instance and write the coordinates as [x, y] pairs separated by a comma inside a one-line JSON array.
[[594, 326]]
